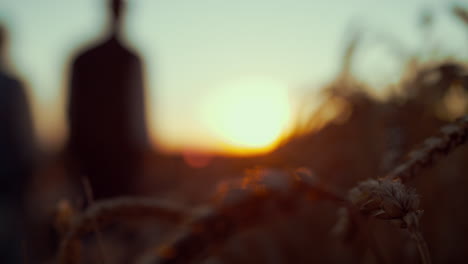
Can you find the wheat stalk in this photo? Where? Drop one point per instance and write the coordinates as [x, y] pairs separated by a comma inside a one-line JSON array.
[[450, 137], [107, 211], [387, 198], [237, 207]]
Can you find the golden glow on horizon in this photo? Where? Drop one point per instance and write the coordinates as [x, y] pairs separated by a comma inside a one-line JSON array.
[[248, 116]]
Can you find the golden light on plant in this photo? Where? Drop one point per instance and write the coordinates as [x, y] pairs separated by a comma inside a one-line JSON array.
[[248, 116]]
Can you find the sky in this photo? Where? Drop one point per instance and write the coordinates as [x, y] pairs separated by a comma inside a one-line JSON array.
[[201, 56]]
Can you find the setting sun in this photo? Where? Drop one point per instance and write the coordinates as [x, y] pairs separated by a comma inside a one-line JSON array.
[[248, 116]]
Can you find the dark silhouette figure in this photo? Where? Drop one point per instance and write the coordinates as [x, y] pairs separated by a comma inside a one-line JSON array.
[[106, 113], [16, 160]]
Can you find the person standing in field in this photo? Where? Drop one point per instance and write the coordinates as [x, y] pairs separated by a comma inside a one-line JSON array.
[[17, 158], [106, 112]]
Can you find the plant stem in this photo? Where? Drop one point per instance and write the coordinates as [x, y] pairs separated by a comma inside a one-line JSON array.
[[90, 199], [422, 246]]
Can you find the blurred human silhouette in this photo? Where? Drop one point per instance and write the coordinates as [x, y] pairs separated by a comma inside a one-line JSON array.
[[16, 157], [106, 112]]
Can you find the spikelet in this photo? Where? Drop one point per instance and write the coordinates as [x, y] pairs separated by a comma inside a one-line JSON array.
[[449, 137], [387, 200]]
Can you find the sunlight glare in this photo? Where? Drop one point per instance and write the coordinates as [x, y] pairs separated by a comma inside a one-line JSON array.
[[248, 116]]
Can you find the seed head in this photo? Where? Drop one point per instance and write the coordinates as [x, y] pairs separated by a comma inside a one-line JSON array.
[[388, 200]]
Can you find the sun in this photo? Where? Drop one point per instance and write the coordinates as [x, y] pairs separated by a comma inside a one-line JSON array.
[[248, 116]]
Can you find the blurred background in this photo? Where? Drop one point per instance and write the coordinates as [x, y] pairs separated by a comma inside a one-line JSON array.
[[198, 52], [207, 89]]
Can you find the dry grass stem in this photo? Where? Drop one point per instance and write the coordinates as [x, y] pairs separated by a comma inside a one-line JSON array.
[[450, 137], [422, 247], [107, 211], [90, 199], [237, 207]]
